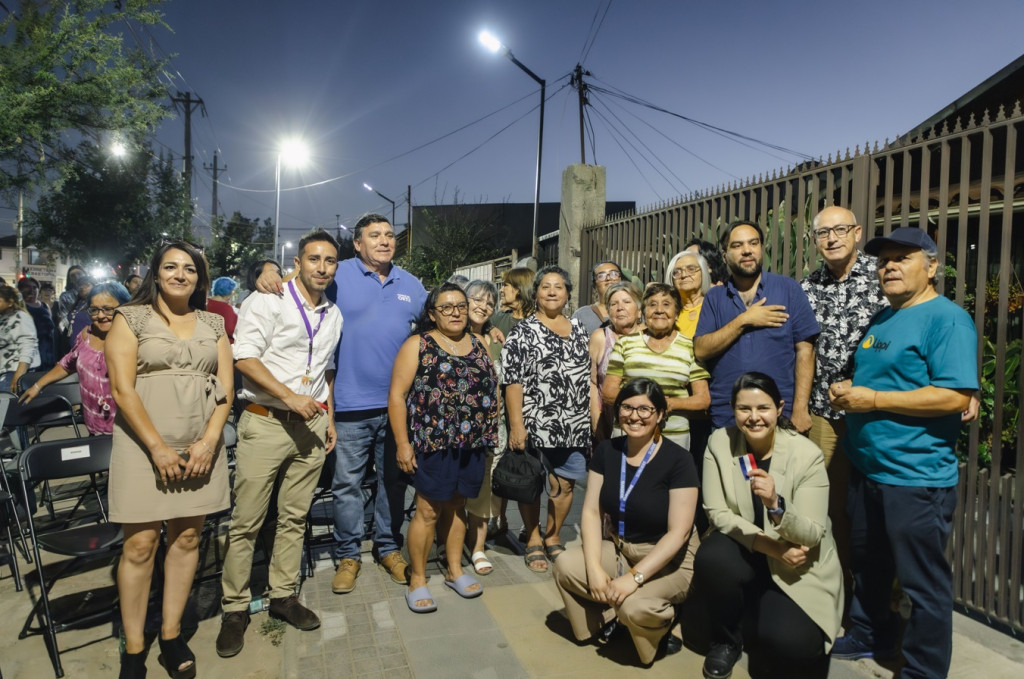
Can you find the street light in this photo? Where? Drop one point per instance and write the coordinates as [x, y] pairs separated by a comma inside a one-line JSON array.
[[494, 45], [293, 152], [370, 188], [287, 244]]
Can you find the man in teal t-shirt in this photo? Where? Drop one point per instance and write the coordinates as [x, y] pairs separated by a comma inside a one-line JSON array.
[[914, 373]]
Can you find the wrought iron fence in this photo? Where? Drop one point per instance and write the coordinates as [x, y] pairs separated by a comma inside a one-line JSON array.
[[965, 185]]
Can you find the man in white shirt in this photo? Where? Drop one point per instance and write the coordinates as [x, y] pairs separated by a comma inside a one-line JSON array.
[[284, 348]]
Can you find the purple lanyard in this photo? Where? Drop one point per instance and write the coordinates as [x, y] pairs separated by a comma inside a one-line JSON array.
[[310, 330], [623, 491]]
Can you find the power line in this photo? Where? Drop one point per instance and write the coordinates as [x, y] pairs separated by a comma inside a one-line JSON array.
[[592, 38]]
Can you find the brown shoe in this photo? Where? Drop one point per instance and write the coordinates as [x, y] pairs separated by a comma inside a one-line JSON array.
[[294, 613], [345, 577], [232, 633], [396, 567]]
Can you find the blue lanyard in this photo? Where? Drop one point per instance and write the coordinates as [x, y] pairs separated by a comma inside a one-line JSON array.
[[623, 491], [310, 330]]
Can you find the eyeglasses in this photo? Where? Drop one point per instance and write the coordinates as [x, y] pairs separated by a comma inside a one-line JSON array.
[[643, 412], [840, 230], [449, 309], [105, 310], [483, 301], [608, 276], [685, 271]]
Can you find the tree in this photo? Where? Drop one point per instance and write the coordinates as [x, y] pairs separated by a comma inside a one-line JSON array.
[[67, 74], [113, 209], [237, 244], [454, 236]]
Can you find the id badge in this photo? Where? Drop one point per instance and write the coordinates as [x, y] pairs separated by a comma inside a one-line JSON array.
[[305, 386]]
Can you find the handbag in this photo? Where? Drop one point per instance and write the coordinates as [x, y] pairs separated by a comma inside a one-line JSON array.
[[519, 475]]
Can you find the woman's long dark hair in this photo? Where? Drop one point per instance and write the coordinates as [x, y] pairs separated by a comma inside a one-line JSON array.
[[425, 323], [149, 291], [761, 382]]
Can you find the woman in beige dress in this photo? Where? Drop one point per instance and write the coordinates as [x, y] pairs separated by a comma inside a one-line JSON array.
[[171, 375]]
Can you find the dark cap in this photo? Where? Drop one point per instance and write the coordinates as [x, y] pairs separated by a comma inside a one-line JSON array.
[[905, 235]]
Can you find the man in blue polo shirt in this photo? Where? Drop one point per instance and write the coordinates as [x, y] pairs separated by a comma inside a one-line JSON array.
[[757, 321], [379, 301], [913, 376]]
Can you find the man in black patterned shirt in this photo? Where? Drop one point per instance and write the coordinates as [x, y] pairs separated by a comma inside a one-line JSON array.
[[844, 294]]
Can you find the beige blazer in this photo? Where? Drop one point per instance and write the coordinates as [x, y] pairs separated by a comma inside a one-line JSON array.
[[798, 469]]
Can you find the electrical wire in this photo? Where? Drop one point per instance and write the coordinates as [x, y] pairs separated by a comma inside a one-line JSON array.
[[592, 38], [615, 135]]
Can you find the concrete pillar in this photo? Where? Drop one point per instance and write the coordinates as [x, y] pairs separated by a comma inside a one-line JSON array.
[[583, 203]]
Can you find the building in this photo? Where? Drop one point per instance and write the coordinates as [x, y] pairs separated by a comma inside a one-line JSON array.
[[45, 266]]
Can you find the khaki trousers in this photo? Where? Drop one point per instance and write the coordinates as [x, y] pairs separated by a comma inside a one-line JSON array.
[[828, 435], [271, 451], [647, 613]]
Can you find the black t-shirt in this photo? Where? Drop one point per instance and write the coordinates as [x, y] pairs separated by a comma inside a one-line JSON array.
[[647, 507]]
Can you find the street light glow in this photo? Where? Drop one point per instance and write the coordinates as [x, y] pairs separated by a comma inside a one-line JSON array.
[[488, 40], [294, 152], [118, 150], [367, 186]]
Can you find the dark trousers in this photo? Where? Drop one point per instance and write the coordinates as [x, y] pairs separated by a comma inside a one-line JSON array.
[[902, 531], [734, 583]]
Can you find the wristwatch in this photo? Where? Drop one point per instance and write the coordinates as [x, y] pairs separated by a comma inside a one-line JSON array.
[[780, 510], [638, 577]]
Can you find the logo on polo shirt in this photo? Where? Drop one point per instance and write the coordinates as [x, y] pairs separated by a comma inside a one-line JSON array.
[[870, 343], [404, 298]]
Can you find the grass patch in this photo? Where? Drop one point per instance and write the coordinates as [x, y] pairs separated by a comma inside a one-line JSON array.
[[273, 629]]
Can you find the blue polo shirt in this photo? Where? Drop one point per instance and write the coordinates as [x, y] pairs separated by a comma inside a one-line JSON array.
[[932, 343], [378, 317], [768, 350]]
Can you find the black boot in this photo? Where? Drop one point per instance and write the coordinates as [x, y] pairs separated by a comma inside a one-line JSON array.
[[133, 665], [173, 654]]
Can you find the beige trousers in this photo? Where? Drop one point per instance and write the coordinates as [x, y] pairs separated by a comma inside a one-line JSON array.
[[828, 435], [271, 451], [647, 613]]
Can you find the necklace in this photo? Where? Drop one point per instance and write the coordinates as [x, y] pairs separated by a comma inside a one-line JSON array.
[[453, 347]]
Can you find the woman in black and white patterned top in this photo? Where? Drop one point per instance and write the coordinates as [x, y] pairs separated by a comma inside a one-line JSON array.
[[550, 404]]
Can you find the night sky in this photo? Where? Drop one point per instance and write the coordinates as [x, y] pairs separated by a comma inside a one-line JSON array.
[[365, 83]]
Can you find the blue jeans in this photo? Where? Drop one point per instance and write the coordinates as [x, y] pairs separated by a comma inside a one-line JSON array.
[[902, 531], [359, 434]]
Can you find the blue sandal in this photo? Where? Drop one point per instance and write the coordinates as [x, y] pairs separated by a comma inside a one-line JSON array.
[[462, 585], [420, 594]]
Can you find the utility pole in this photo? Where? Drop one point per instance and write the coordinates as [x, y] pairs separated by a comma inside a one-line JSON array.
[[188, 106], [213, 209], [581, 87], [408, 219]]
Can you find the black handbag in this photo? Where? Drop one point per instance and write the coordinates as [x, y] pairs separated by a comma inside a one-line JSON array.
[[519, 475]]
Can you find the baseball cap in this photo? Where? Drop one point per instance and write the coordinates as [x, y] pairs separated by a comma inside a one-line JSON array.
[[905, 235]]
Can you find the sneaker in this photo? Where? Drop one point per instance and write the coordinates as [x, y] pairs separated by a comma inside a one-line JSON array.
[[345, 577], [232, 633], [294, 613], [396, 567], [719, 661], [850, 648]]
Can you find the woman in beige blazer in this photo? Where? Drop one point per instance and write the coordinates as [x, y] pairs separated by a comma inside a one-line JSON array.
[[770, 553]]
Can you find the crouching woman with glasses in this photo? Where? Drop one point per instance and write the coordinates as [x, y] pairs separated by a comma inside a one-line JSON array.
[[636, 562]]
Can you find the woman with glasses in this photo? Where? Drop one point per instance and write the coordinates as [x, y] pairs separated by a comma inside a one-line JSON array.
[[771, 554], [688, 274], [637, 530], [88, 360], [443, 408], [662, 353], [551, 406], [594, 316], [171, 374], [622, 300]]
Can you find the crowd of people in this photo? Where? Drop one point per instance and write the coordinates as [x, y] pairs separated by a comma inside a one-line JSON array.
[[784, 449]]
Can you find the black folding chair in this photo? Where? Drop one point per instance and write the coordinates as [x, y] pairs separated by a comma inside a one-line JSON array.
[[9, 507], [53, 461], [10, 553]]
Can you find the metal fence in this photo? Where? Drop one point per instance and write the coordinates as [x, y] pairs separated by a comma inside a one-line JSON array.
[[965, 185]]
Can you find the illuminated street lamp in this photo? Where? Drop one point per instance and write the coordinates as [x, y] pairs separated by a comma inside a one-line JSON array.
[[287, 244], [494, 45], [294, 153], [370, 188]]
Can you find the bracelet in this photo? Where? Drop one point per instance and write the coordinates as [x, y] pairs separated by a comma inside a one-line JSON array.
[[206, 446], [874, 402]]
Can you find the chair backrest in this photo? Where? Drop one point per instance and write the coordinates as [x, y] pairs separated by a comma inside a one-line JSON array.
[[65, 458], [50, 406], [69, 388], [6, 399], [230, 435], [30, 378]]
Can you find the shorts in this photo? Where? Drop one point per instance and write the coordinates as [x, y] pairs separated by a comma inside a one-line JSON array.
[[567, 463], [442, 474]]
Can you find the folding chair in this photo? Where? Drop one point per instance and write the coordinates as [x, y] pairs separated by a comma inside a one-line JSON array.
[[52, 461], [321, 510], [10, 552], [8, 506]]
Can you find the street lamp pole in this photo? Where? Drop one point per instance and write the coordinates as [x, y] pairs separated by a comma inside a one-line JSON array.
[[277, 206], [494, 45], [287, 244], [370, 188], [295, 152]]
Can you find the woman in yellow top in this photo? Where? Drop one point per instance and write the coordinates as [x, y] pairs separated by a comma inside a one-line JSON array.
[[688, 273]]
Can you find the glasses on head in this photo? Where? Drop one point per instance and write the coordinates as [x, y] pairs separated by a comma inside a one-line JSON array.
[[175, 241], [608, 276], [840, 230], [685, 271], [449, 309], [104, 310], [484, 301], [643, 412]]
